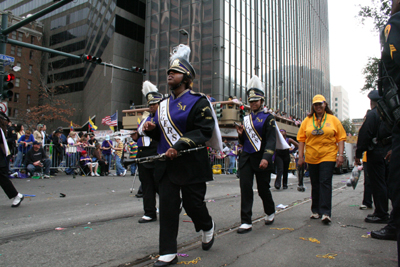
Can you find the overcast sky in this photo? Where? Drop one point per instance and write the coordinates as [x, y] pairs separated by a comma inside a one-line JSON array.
[[350, 46]]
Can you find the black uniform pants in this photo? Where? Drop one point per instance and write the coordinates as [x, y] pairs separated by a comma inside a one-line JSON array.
[[263, 179], [378, 173], [6, 184], [367, 198], [149, 189], [394, 184], [170, 201], [321, 187], [282, 161]]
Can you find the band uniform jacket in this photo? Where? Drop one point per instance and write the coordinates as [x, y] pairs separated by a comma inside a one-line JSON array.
[[267, 149], [193, 167], [146, 151]]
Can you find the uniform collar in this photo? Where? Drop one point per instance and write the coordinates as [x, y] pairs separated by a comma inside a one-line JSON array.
[[255, 113], [181, 94]]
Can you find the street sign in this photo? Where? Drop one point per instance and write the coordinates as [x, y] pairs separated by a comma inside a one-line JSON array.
[[7, 58], [4, 107]]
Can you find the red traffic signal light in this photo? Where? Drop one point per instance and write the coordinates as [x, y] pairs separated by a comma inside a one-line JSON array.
[[139, 70], [241, 107], [91, 58]]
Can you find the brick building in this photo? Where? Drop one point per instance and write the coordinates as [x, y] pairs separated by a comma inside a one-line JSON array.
[[28, 79]]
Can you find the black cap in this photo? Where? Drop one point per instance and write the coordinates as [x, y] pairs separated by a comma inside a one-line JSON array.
[[374, 95], [36, 143], [154, 97], [183, 66]]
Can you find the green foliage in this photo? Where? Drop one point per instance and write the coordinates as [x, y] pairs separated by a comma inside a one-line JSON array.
[[378, 11], [349, 126], [371, 74]]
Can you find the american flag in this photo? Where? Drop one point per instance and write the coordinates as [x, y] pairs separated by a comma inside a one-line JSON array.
[[110, 120]]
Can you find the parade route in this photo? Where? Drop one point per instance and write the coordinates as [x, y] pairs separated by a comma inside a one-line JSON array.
[[95, 224]]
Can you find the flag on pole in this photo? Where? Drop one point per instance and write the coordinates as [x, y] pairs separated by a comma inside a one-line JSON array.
[[110, 120], [92, 127], [72, 126]]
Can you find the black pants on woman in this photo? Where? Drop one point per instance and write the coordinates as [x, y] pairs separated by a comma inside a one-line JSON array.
[[263, 179], [321, 187], [6, 184], [282, 161], [170, 201]]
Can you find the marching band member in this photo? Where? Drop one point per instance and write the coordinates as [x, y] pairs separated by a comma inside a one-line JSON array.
[[258, 136], [184, 120], [148, 147]]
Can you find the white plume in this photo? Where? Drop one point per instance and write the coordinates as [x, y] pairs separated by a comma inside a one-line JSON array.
[[180, 51], [255, 82], [148, 87]]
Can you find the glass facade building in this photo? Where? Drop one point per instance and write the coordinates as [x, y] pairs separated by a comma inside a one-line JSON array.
[[284, 42]]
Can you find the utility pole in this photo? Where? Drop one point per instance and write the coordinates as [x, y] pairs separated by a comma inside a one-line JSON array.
[[4, 23]]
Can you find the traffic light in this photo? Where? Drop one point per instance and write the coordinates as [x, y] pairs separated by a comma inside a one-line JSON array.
[[242, 112], [139, 70], [90, 58], [218, 111], [7, 86]]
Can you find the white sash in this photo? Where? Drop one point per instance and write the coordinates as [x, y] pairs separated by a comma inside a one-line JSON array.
[[251, 133], [146, 140], [170, 133], [140, 129]]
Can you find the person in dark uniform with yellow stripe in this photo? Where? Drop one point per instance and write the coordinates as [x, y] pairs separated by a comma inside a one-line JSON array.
[[184, 120], [258, 137], [390, 79]]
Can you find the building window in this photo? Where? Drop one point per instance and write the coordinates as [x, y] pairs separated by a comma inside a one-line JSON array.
[[31, 54], [28, 99], [336, 110], [18, 64], [20, 36], [32, 39], [29, 84], [19, 51], [17, 82], [30, 69], [335, 104], [9, 112], [14, 35], [335, 98], [15, 112], [12, 50], [16, 97]]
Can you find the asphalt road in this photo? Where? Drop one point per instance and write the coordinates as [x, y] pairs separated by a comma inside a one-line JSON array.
[[98, 220]]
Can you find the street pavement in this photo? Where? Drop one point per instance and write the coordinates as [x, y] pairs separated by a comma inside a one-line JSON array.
[[97, 225]]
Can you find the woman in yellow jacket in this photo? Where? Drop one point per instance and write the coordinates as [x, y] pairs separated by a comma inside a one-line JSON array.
[[322, 135]]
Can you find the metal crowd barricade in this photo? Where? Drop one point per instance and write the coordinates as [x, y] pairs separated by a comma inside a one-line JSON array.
[[67, 158], [221, 165]]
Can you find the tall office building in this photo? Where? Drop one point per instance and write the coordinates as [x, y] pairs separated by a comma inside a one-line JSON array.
[[110, 29], [284, 42], [340, 102]]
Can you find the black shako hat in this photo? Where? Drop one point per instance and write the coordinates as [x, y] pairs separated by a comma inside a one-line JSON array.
[[179, 61]]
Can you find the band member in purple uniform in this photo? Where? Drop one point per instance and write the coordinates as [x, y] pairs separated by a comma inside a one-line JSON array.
[[184, 120], [148, 147], [258, 136]]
